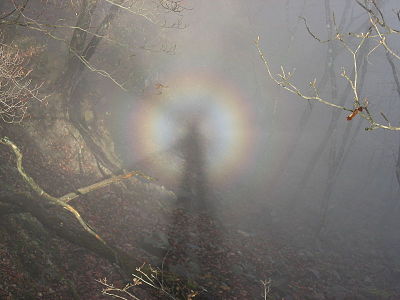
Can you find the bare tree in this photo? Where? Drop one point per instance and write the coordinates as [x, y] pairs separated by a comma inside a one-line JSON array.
[[87, 25], [353, 42], [360, 45], [94, 20], [16, 86]]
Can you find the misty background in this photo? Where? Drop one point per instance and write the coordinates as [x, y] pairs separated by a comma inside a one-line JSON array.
[[306, 159], [193, 99], [296, 145]]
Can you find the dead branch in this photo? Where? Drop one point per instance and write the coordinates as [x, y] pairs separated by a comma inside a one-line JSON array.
[[65, 219], [378, 31], [85, 190], [141, 8], [31, 182], [283, 79], [150, 277], [16, 88], [57, 215], [311, 33]]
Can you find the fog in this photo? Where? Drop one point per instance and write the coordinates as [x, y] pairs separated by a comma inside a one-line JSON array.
[[217, 48], [191, 105]]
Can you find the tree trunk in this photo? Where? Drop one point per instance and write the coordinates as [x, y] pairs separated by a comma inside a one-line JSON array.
[[74, 89]]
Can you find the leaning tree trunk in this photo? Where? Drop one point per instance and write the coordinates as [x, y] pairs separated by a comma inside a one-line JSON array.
[[62, 221]]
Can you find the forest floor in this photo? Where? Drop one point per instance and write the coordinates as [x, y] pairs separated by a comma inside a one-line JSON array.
[[228, 261]]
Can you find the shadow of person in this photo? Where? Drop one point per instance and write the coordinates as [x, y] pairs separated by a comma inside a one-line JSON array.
[[194, 232], [192, 194]]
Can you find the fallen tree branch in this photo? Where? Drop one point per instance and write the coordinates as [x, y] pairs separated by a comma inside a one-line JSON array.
[[89, 238], [85, 190], [57, 215]]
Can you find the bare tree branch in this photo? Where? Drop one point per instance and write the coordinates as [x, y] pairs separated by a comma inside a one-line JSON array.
[[378, 31], [16, 88]]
